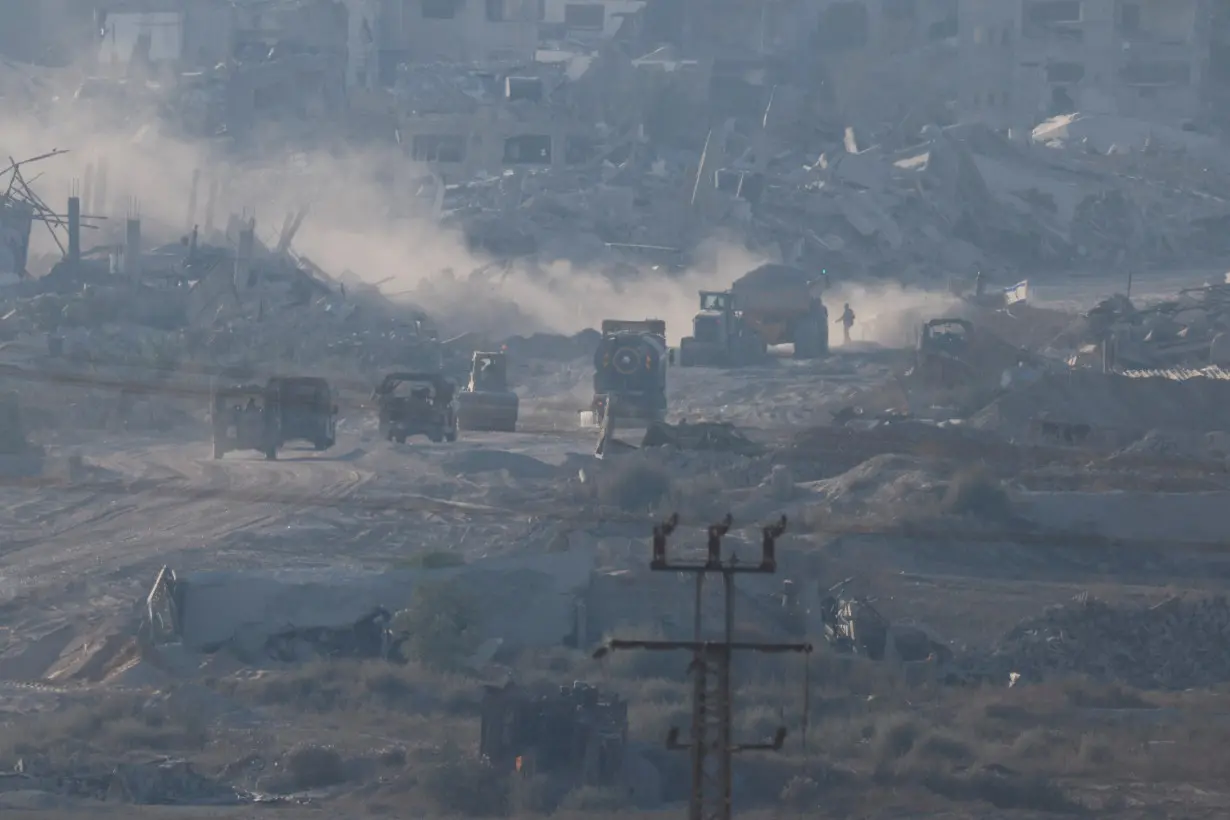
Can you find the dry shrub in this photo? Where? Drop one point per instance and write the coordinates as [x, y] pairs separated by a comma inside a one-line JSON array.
[[595, 799], [1084, 693], [112, 723], [1038, 745], [975, 492], [651, 722], [1006, 792], [639, 665], [633, 484], [893, 739], [941, 749], [347, 685], [468, 787], [801, 793], [311, 766], [442, 625], [1095, 751], [538, 794]]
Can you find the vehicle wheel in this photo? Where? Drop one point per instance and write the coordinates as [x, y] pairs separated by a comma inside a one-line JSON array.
[[436, 438], [807, 339], [218, 452], [322, 445], [400, 439], [687, 357], [271, 454], [451, 435]]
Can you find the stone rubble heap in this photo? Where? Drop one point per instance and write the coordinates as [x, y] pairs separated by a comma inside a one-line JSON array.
[[1177, 644]]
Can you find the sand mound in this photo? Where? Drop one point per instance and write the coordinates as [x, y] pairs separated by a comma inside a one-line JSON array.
[[517, 465], [1111, 402], [884, 481]]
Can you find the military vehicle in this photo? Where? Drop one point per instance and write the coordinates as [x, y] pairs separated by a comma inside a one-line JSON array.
[[414, 404], [308, 408], [629, 376], [245, 417], [579, 733], [771, 305], [943, 346], [486, 403]]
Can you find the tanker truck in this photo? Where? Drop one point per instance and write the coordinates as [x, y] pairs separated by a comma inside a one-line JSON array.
[[771, 305]]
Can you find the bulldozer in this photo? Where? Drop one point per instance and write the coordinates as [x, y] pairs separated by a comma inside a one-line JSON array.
[[629, 377], [771, 305], [486, 403]]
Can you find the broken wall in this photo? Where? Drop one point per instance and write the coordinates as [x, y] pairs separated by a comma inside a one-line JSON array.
[[525, 601], [461, 145], [455, 31], [866, 48], [1022, 63]]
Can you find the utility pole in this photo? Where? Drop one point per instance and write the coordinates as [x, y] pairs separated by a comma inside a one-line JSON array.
[[711, 745]]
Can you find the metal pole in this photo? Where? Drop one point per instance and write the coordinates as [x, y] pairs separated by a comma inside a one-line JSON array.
[[712, 664], [700, 663], [74, 229], [727, 741]]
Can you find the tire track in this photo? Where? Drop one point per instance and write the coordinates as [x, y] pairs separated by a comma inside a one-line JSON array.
[[152, 526]]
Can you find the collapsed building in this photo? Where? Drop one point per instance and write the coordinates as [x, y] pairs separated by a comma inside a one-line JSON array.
[[1040, 58]]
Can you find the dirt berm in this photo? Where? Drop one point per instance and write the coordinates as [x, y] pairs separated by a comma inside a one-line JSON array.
[[1111, 402]]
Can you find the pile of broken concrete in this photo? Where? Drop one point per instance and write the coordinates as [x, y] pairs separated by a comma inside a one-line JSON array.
[[1178, 644]]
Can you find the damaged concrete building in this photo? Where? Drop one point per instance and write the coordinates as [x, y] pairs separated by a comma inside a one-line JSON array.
[[1028, 60], [865, 47], [455, 31]]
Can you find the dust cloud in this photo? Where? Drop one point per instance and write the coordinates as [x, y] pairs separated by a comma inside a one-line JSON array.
[[887, 314], [362, 221]]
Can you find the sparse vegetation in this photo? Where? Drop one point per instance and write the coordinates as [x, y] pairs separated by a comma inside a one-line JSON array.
[[441, 624], [977, 493], [633, 484], [462, 784], [310, 766]]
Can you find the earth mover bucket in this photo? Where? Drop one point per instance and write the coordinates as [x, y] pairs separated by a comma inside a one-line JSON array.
[[486, 403]]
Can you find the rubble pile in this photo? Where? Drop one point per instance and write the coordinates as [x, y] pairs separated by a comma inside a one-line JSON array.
[[1177, 644], [1109, 402], [151, 783], [202, 309], [1189, 331], [961, 199]]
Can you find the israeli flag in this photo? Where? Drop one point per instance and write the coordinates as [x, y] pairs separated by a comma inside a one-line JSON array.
[[1017, 293]]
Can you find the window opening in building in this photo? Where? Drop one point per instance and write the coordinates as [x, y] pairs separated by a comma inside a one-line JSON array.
[[438, 148], [1065, 72], [439, 9], [585, 15], [528, 149], [843, 26]]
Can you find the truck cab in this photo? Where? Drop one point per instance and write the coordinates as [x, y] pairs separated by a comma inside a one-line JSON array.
[[719, 334]]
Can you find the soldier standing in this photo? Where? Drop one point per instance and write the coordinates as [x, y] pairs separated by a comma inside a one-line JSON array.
[[847, 321]]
